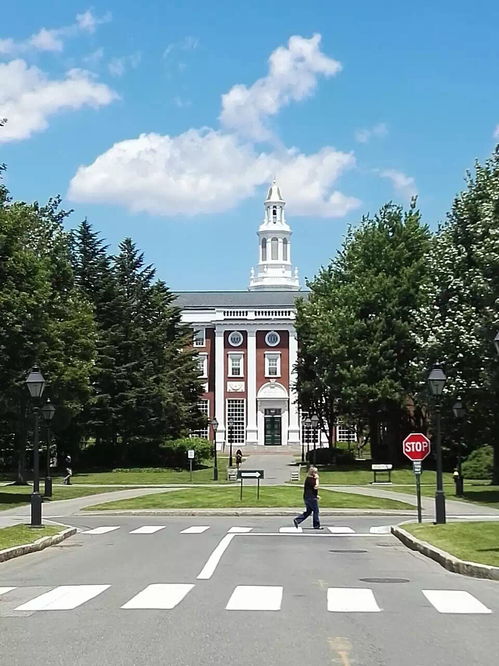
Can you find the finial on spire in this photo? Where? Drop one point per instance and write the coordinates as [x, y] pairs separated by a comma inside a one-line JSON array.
[[274, 193]]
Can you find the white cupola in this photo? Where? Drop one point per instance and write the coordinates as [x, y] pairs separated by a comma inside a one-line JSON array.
[[274, 270]]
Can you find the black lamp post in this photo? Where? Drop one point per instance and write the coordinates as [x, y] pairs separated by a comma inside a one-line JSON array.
[[230, 424], [214, 425], [48, 410], [308, 424], [36, 383], [315, 425], [436, 383], [459, 412]]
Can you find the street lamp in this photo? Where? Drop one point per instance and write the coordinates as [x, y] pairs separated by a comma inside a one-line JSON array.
[[436, 383], [214, 425], [315, 425], [36, 383], [459, 412], [230, 423], [308, 423], [48, 410]]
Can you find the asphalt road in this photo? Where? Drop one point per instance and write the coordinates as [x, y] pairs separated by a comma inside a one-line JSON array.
[[260, 597]]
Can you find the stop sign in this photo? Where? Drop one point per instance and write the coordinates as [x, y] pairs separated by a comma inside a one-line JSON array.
[[416, 446]]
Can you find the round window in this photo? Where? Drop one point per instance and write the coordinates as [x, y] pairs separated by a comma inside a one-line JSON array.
[[235, 339], [272, 339]]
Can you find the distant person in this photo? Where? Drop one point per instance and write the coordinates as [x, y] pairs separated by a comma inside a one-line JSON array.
[[69, 470], [239, 457], [311, 499]]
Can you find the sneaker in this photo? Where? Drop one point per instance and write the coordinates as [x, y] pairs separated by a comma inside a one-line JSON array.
[[295, 523], [318, 528]]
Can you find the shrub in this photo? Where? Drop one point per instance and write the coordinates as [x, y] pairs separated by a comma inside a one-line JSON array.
[[174, 452], [478, 465], [331, 456]]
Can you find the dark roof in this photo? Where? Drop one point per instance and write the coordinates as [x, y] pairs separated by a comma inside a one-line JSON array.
[[223, 299]]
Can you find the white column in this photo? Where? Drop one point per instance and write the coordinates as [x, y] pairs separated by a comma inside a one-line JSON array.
[[251, 426], [219, 386], [294, 428]]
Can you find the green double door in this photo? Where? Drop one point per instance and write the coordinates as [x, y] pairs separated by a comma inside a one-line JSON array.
[[272, 427]]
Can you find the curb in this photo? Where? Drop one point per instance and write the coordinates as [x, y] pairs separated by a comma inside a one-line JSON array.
[[445, 559], [39, 544], [243, 512]]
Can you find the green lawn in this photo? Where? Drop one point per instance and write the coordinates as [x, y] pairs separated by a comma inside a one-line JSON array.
[[275, 496], [473, 542], [480, 493], [14, 496], [361, 477], [18, 535]]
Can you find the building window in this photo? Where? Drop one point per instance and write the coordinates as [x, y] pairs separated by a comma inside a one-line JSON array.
[[272, 339], [307, 435], [272, 364], [203, 365], [274, 214], [264, 249], [236, 412], [345, 434], [235, 339], [204, 408], [199, 337], [285, 249], [274, 249], [236, 365]]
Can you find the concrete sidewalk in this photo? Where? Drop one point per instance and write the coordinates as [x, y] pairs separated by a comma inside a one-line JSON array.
[[277, 465]]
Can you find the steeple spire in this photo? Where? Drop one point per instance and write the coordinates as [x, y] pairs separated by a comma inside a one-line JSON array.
[[274, 269]]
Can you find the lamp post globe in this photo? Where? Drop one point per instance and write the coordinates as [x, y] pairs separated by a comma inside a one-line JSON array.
[[48, 411], [436, 382], [36, 384], [214, 425]]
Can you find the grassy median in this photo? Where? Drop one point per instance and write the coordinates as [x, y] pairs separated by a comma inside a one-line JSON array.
[[16, 496], [470, 541], [272, 497], [18, 535]]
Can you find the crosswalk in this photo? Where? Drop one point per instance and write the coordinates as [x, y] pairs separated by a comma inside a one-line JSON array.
[[200, 529], [167, 596]]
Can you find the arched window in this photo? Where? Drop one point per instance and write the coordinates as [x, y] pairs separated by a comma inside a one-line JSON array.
[[285, 249], [264, 249], [274, 249]]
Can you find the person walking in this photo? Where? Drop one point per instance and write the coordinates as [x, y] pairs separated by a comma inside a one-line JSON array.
[[69, 471], [311, 499]]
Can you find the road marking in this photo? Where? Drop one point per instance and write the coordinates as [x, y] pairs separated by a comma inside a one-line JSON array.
[[256, 597], [64, 597], [196, 529], [455, 601], [290, 530], [159, 596], [341, 530], [4, 590], [382, 529], [101, 530], [148, 529], [351, 600], [214, 559], [240, 530]]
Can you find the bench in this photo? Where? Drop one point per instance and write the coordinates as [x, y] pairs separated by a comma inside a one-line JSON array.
[[382, 468], [295, 475], [231, 474]]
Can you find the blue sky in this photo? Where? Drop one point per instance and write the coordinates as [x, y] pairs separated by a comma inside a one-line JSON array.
[[165, 120]]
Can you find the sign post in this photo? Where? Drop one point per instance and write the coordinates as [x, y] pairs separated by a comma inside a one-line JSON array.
[[190, 455], [250, 474], [416, 447]]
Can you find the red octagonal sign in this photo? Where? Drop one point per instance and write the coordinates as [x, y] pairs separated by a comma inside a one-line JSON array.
[[416, 446]]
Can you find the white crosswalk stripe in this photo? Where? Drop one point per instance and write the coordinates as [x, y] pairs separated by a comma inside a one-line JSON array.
[[455, 601], [64, 597], [341, 530], [196, 529], [256, 597], [292, 530], [159, 596], [351, 600], [148, 529], [4, 590], [240, 530], [101, 530]]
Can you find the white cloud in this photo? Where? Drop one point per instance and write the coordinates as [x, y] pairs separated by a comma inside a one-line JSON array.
[[205, 171], [404, 185], [496, 132], [210, 171], [292, 76], [94, 58], [118, 66], [366, 134], [28, 98], [53, 39], [189, 43]]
